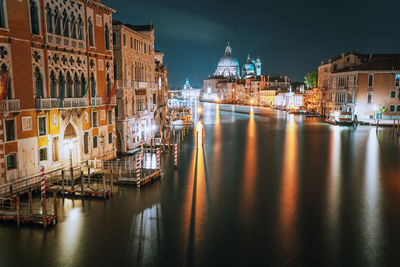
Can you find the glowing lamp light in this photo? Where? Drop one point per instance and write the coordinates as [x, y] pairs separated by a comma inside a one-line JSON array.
[[252, 101], [199, 109]]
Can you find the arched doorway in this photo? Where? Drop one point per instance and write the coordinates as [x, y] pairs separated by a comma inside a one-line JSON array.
[[71, 146]]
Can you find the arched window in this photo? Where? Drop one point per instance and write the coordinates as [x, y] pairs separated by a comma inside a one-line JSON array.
[[370, 80], [83, 86], [107, 36], [108, 85], [69, 85], [73, 26], [115, 69], [53, 85], [132, 72], [90, 29], [77, 86], [125, 72], [49, 19], [34, 12], [39, 84], [57, 21], [61, 85], [80, 28], [3, 70], [93, 85], [66, 23], [2, 14]]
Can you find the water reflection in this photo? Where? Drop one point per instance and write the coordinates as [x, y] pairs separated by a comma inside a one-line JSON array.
[[289, 186], [71, 231], [372, 212]]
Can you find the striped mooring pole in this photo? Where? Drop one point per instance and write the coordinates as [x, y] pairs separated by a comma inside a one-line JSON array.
[[158, 159], [176, 155], [141, 150], [138, 172], [42, 181]]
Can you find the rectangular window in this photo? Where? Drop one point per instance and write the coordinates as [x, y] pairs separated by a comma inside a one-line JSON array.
[[124, 40], [10, 130], [154, 99], [393, 94], [114, 38], [397, 80], [94, 141], [398, 108], [43, 154], [11, 162], [42, 126], [110, 117], [110, 138], [131, 42], [392, 108], [369, 99], [95, 119]]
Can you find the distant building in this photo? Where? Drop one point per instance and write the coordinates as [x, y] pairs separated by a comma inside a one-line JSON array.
[[190, 93]]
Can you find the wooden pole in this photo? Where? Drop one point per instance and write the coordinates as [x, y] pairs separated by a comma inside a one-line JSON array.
[[55, 205], [72, 179], [104, 186], [82, 188], [44, 211], [11, 199], [62, 182], [111, 182], [119, 175], [30, 201], [88, 176], [18, 212]]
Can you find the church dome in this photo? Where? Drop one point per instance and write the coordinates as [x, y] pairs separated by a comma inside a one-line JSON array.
[[228, 66], [248, 68]]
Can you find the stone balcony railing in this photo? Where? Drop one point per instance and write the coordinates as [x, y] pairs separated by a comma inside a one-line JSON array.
[[75, 103], [48, 103], [112, 101], [128, 84], [96, 101], [10, 105], [66, 42]]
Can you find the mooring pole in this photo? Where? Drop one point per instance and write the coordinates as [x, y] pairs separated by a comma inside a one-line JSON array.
[[11, 199], [104, 186], [30, 201], [18, 211], [111, 182], [44, 211], [55, 205], [62, 182], [82, 188]]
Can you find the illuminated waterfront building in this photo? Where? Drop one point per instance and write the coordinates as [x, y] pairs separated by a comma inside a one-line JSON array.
[[141, 84], [365, 85], [59, 110]]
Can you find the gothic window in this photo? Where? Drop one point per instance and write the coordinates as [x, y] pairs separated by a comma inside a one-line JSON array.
[[73, 26], [77, 86], [11, 162], [93, 85], [43, 154], [80, 28], [2, 14], [90, 28], [57, 21], [53, 85], [83, 85], [115, 69], [34, 13], [3, 70], [39, 83], [107, 36], [370, 80], [66, 23], [69, 85], [108, 85], [49, 19], [61, 85]]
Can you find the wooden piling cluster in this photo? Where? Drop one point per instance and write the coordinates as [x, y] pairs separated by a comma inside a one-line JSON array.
[[14, 210]]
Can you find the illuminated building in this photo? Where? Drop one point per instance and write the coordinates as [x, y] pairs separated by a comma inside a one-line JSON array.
[[59, 112], [365, 85], [188, 92]]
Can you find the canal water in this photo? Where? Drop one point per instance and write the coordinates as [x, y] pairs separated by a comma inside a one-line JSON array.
[[265, 188]]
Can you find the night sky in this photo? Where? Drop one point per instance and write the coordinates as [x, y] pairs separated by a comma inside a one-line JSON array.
[[290, 36]]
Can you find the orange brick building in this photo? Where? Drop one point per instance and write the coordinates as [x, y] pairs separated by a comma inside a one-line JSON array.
[[59, 112]]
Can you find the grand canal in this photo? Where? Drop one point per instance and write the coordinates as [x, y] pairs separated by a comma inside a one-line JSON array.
[[265, 188]]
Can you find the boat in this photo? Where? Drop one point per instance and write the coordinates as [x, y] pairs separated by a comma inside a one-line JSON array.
[[180, 116], [340, 118]]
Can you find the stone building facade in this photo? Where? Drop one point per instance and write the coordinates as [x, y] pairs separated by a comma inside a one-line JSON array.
[[59, 112]]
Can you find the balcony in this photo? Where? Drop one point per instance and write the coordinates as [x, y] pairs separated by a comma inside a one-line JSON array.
[[75, 103], [96, 101], [112, 101], [48, 103], [10, 105]]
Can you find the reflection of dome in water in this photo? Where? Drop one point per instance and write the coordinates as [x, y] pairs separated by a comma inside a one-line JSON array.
[[228, 65]]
